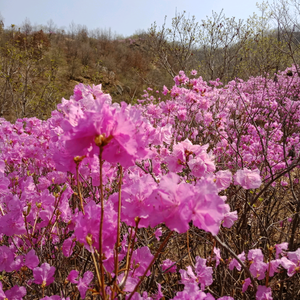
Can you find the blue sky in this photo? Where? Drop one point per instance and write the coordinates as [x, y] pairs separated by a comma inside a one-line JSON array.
[[124, 17]]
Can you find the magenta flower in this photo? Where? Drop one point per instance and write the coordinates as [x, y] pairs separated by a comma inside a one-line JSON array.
[[248, 179], [15, 293], [44, 275], [258, 269], [280, 247], [166, 264], [158, 233], [230, 217], [203, 274], [292, 263], [2, 295], [207, 207], [191, 292], [235, 264], [110, 128], [83, 283], [6, 259], [72, 276], [246, 284], [223, 179], [263, 293], [274, 264], [217, 257], [68, 246], [31, 260], [141, 259]]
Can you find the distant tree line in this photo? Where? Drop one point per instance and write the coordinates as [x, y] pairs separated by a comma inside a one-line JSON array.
[[40, 65]]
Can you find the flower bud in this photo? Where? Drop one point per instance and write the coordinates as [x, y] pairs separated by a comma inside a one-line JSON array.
[[78, 159], [89, 239]]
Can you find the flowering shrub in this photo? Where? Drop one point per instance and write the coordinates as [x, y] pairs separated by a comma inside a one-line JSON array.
[[179, 197]]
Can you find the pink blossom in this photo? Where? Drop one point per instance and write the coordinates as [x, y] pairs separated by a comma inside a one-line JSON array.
[[248, 179], [72, 276], [223, 179], [207, 207], [15, 293], [141, 259], [203, 274], [246, 284], [167, 264], [191, 292], [263, 293], [31, 260], [169, 202], [217, 257], [235, 264], [67, 247], [158, 233], [83, 283], [229, 217], [280, 247], [2, 295], [258, 269], [44, 275]]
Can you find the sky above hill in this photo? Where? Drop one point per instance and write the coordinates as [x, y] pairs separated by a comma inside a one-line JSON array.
[[123, 17]]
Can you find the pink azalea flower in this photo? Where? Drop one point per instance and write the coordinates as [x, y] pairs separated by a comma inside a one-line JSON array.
[[31, 260], [207, 207], [191, 292], [230, 217], [280, 247], [15, 293], [248, 179], [6, 259], [263, 293], [2, 295], [255, 255], [83, 283], [68, 246], [44, 275], [292, 263], [235, 264], [274, 264], [169, 202], [203, 274], [158, 233], [141, 259], [246, 284], [223, 179], [258, 269], [217, 257], [72, 276], [167, 264], [117, 131], [197, 166]]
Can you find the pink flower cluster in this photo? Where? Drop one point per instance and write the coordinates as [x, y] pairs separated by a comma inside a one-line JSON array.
[[169, 162]]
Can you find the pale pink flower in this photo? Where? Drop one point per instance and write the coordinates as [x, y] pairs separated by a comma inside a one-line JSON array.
[[248, 179]]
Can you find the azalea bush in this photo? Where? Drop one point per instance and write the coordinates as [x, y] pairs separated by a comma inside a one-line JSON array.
[[190, 194]]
